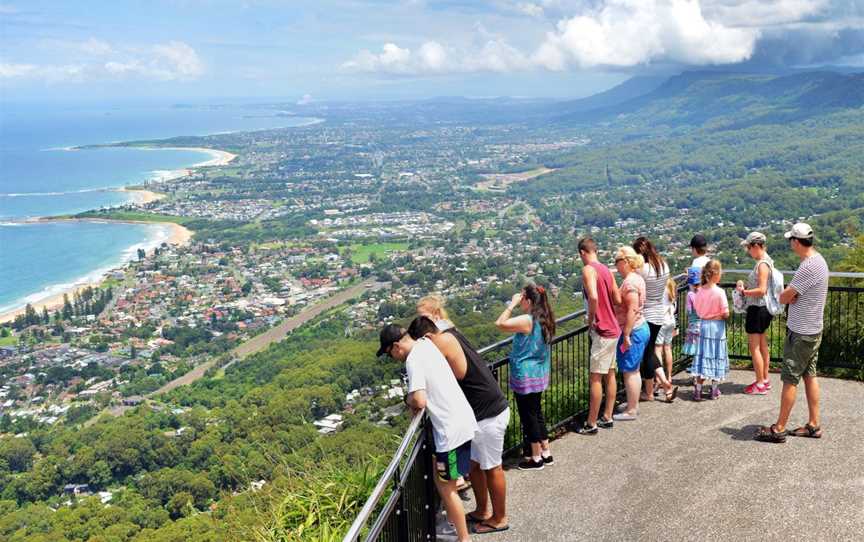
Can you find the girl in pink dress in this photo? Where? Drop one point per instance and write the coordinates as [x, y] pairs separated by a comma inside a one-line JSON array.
[[711, 360]]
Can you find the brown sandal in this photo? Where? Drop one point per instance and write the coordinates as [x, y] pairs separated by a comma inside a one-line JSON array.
[[807, 431], [770, 434], [672, 394]]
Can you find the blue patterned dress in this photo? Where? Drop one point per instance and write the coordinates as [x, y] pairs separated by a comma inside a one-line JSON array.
[[530, 362]]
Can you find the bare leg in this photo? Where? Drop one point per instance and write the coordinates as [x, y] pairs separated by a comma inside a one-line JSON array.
[[481, 493], [787, 401], [632, 383], [811, 388], [611, 390], [661, 378], [594, 397], [753, 342], [766, 356], [497, 484], [453, 504], [667, 352]]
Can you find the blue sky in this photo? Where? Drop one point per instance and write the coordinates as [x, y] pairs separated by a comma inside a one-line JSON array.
[[354, 49]]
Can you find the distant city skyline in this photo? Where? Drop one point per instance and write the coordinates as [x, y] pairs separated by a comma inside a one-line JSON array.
[[354, 49]]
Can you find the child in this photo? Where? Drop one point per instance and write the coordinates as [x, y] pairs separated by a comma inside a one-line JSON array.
[[663, 346], [711, 360], [694, 276]]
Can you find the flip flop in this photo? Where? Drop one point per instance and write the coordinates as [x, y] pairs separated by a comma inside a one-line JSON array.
[[487, 528], [471, 518]]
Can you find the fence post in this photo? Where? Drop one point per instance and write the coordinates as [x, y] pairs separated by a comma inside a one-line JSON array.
[[428, 459]]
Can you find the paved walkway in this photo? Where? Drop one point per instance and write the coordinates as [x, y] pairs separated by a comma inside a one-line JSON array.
[[691, 471]]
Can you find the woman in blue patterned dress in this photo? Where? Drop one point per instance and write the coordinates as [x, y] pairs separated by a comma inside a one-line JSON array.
[[530, 365]]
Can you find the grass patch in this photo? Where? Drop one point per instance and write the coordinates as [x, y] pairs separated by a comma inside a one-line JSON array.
[[137, 216], [363, 253], [11, 340]]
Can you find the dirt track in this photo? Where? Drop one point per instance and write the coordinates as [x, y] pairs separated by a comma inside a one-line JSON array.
[[273, 335]]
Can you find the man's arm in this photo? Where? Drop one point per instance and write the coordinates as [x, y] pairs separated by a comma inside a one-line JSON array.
[[417, 400], [589, 284], [452, 350], [789, 295]]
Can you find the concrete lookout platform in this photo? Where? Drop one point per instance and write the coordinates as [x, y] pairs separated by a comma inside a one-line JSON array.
[[692, 471]]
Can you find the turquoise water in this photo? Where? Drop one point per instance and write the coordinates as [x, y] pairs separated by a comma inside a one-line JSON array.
[[39, 177]]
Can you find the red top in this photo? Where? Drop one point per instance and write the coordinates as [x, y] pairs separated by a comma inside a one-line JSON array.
[[605, 322]]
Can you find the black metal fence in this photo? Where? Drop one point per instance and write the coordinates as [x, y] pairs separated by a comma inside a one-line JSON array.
[[409, 511]]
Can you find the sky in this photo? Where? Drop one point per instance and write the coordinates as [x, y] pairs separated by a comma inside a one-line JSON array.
[[318, 50]]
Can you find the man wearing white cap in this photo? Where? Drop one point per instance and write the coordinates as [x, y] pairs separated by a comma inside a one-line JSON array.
[[805, 295]]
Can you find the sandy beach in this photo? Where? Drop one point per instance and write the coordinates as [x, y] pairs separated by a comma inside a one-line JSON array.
[[142, 197], [217, 158], [176, 235]]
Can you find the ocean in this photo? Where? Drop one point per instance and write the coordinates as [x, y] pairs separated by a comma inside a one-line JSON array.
[[40, 176]]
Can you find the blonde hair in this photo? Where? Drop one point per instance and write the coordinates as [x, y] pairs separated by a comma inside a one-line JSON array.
[[635, 261], [671, 289], [711, 270], [434, 305]]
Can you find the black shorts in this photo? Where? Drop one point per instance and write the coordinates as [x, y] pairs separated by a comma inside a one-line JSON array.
[[757, 321], [454, 463]]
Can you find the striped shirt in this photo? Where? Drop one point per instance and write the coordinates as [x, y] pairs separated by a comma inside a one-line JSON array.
[[655, 290], [811, 283]]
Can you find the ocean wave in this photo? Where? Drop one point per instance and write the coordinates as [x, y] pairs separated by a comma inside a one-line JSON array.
[[66, 193]]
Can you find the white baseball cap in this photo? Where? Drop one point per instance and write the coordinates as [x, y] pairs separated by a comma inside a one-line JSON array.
[[799, 231]]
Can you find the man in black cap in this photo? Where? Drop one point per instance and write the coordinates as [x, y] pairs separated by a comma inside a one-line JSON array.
[[432, 385]]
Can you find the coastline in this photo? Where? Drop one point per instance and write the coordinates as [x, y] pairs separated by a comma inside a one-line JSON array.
[[177, 235]]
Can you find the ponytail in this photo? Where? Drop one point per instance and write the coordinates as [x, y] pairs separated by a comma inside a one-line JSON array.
[[541, 311], [711, 270]]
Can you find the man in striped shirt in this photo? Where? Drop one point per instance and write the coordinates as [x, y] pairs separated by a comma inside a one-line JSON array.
[[805, 295]]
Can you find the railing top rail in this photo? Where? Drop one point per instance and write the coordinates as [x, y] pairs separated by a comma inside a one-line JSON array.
[[504, 342], [831, 274]]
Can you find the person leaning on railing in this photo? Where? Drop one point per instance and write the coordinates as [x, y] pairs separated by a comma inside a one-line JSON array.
[[530, 365], [432, 385], [492, 413]]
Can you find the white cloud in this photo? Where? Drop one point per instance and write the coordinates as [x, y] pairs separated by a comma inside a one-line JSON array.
[[171, 61], [306, 99], [493, 55], [632, 32], [602, 34], [762, 13]]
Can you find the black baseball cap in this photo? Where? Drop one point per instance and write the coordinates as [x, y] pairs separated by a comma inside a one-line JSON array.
[[391, 333], [698, 241]]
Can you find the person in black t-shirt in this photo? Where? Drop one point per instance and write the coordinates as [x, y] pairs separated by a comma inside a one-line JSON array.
[[492, 412]]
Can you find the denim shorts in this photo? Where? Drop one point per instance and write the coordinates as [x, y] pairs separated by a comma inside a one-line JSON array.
[[664, 336]]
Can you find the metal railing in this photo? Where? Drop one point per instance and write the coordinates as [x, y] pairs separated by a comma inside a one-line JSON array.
[[410, 509]]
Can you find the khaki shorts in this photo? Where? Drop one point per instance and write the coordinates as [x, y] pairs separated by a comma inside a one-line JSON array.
[[800, 353], [602, 353]]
